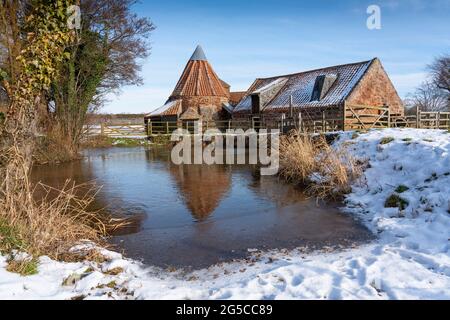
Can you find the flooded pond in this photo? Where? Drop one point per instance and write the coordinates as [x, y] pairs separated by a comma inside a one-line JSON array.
[[193, 216]]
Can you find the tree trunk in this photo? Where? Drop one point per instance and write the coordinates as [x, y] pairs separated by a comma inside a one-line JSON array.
[[16, 149]]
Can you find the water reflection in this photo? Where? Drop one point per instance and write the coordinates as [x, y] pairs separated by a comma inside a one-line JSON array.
[[195, 215], [202, 188]]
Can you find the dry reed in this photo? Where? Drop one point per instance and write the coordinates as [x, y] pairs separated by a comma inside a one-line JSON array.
[[56, 222], [326, 172]]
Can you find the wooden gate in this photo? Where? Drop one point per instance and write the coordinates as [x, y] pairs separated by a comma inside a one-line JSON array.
[[359, 117]]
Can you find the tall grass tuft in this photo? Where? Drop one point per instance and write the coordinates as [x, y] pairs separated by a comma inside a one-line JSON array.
[[326, 172], [53, 224]]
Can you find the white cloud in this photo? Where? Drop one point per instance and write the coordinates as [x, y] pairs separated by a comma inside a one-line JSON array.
[[406, 83]]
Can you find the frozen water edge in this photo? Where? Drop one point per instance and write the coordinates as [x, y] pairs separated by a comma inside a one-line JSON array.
[[410, 260]]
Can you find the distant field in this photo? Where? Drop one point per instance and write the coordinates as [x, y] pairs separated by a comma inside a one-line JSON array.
[[113, 119]]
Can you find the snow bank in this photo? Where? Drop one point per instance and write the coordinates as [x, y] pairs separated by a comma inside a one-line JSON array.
[[410, 259]]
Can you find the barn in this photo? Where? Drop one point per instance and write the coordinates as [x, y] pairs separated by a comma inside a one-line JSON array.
[[357, 94]]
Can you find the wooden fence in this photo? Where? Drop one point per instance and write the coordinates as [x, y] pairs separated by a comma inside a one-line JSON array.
[[168, 127], [352, 117], [423, 120], [116, 131]]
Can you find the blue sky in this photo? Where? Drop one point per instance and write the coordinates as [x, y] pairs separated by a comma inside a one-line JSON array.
[[246, 39]]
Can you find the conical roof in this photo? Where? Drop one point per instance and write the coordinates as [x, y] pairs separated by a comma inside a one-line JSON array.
[[199, 79], [198, 55]]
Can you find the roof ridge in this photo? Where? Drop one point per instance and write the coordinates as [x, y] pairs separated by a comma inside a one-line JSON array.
[[312, 70]]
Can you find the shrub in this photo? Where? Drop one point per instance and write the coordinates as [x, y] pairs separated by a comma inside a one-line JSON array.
[[327, 171], [395, 201]]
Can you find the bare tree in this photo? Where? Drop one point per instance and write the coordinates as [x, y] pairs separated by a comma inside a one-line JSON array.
[[124, 36], [440, 72], [428, 97], [108, 53]]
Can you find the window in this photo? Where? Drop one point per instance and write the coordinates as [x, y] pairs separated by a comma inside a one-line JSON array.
[[322, 85]]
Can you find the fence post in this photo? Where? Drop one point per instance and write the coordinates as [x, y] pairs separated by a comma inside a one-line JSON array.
[[283, 116], [389, 116], [102, 129], [344, 111], [439, 120], [324, 128], [417, 117], [300, 121], [150, 128]]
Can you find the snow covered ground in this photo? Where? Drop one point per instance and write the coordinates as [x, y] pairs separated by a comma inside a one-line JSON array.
[[410, 259]]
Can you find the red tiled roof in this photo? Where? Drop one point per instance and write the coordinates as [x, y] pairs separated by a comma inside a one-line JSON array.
[[199, 79], [236, 97]]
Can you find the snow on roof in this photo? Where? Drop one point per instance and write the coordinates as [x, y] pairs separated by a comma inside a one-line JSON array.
[[170, 108], [228, 107], [301, 85], [270, 85]]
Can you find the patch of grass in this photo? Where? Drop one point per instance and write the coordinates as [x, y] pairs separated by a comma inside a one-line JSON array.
[[395, 201], [114, 272], [107, 142], [161, 140], [407, 140], [401, 189], [386, 140], [355, 135], [428, 140], [97, 142], [24, 267], [10, 238], [128, 143]]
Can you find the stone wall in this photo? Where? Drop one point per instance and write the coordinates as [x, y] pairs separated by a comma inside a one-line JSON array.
[[210, 108], [376, 89]]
